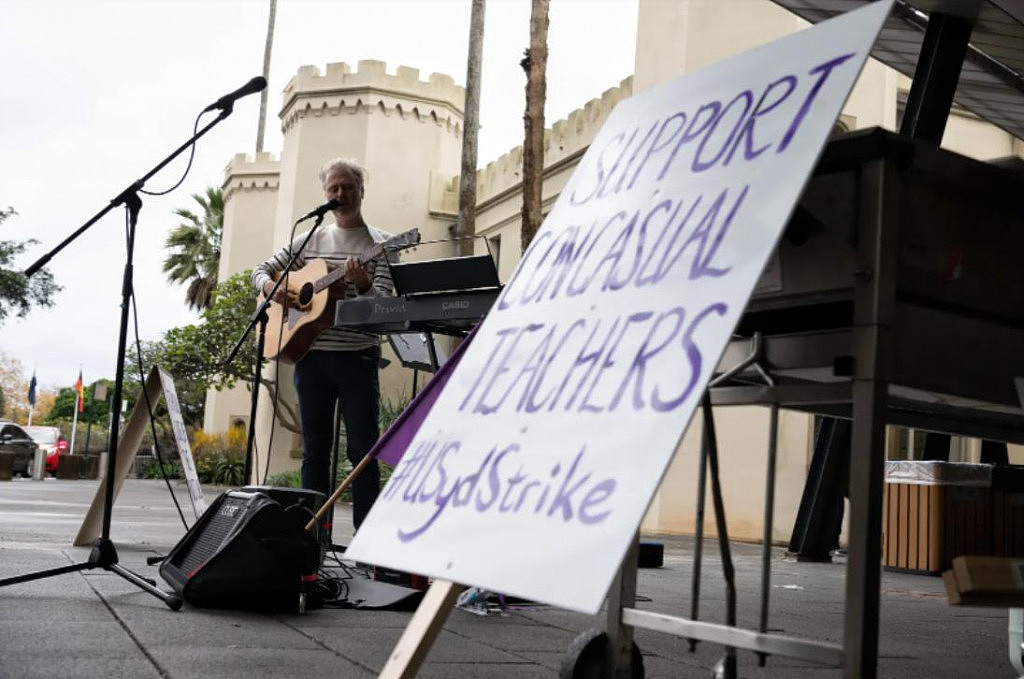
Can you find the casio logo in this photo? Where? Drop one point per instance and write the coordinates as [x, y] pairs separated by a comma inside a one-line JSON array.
[[447, 307]]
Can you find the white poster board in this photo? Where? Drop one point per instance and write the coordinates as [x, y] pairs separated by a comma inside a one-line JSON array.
[[188, 465], [532, 472]]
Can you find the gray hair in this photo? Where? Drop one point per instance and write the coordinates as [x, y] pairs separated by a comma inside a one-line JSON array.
[[350, 164]]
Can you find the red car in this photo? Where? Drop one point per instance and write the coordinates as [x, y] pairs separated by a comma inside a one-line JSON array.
[[50, 440]]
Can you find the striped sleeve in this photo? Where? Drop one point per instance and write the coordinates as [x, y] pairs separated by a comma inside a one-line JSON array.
[[266, 270]]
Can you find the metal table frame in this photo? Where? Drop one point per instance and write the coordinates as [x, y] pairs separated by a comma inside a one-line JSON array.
[[881, 345]]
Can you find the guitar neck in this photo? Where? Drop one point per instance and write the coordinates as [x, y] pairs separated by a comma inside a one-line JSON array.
[[339, 273]]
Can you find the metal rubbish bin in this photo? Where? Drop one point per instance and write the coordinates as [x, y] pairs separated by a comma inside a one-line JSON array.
[[934, 511], [1008, 511]]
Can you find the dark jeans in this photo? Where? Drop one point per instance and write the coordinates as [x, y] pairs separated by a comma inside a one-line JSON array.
[[321, 378]]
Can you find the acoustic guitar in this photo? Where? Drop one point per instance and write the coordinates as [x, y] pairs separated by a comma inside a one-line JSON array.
[[292, 331]]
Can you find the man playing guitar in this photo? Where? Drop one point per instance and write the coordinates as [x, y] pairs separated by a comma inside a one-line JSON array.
[[340, 365]]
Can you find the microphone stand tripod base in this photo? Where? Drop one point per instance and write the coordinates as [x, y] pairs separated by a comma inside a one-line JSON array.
[[103, 555]]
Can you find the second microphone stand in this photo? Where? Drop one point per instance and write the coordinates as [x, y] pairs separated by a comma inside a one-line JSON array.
[[260, 316]]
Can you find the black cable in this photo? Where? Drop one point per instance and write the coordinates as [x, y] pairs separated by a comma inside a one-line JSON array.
[[334, 589], [191, 156], [152, 414], [333, 592], [277, 364], [273, 410], [330, 588], [138, 344]]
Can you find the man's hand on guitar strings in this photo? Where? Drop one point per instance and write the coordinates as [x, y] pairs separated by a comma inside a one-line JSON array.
[[356, 273]]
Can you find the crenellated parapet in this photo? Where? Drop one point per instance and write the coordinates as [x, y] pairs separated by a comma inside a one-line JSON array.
[[371, 90], [245, 173], [563, 140]]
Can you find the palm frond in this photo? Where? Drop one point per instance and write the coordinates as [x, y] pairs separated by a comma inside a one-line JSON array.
[[193, 246]]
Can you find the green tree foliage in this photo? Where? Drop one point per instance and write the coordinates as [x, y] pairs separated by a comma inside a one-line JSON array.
[[13, 389], [95, 411], [195, 248], [195, 354], [18, 293]]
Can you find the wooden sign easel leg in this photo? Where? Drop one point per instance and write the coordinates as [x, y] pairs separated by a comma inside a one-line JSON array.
[[423, 628]]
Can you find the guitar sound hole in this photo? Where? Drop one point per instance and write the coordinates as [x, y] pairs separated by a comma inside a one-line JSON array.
[[306, 294]]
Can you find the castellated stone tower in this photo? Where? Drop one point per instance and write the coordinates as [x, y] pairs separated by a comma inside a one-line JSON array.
[[405, 131]]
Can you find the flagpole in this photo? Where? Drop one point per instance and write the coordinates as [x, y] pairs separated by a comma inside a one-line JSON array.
[[79, 402], [30, 409], [74, 426]]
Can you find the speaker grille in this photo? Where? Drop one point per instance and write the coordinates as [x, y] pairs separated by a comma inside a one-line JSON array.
[[209, 541]]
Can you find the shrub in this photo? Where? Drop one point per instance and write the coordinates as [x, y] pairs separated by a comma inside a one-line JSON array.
[[229, 470], [389, 412], [220, 458], [172, 468], [288, 479]]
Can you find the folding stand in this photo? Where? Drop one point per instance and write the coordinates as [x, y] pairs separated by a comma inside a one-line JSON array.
[[874, 340], [867, 328]]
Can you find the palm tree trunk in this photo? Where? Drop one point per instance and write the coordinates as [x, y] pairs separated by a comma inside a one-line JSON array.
[[466, 224], [535, 64], [266, 76]]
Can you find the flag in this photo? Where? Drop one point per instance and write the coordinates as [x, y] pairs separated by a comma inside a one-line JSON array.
[[78, 390], [392, 444], [32, 391]]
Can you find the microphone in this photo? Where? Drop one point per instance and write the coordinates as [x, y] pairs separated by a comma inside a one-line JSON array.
[[320, 210], [257, 84]]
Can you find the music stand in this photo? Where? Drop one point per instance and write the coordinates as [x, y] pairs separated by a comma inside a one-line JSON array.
[[418, 350], [104, 553]]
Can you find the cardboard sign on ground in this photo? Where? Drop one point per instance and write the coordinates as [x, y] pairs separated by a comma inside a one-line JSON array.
[[532, 472], [158, 382]]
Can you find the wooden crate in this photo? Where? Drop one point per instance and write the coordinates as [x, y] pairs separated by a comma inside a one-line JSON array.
[[6, 465], [90, 467], [1007, 523], [69, 467], [925, 526]]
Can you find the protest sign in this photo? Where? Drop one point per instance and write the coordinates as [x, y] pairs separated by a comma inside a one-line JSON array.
[[188, 466], [533, 470]]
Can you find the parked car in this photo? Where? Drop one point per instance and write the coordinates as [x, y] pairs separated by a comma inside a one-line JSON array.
[[16, 440], [52, 441]]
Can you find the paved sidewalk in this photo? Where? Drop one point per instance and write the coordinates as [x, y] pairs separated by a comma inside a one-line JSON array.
[[94, 624]]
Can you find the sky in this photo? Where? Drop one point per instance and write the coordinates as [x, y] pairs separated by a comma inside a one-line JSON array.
[[94, 94]]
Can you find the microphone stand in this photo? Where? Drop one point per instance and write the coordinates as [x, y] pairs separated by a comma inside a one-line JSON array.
[[104, 553], [260, 316]]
